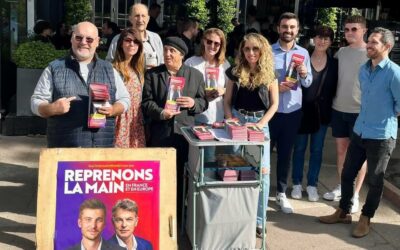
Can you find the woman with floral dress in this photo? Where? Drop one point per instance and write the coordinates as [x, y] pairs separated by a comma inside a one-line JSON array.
[[129, 62]]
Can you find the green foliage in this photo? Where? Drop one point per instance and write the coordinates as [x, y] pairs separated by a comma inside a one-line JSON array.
[[226, 10], [198, 10], [102, 54], [36, 54], [328, 17], [77, 11]]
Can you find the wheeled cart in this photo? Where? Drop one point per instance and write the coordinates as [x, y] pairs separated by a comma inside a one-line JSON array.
[[222, 214]]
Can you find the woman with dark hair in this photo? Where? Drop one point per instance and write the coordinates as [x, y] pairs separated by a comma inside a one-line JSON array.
[[252, 96], [43, 31], [62, 37], [317, 110], [129, 62], [212, 64]]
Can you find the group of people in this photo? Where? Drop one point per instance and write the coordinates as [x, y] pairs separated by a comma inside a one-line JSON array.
[[92, 221], [44, 32], [326, 90]]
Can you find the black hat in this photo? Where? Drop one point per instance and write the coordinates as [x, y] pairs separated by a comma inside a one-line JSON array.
[[177, 43]]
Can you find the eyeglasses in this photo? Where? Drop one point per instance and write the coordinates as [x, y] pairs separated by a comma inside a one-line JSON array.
[[354, 29], [88, 39], [129, 220], [209, 42], [129, 41], [254, 49]]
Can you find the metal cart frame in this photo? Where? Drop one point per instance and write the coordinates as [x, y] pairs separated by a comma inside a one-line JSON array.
[[200, 181]]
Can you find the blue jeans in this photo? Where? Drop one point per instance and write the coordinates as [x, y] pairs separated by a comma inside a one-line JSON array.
[[265, 162], [316, 147]]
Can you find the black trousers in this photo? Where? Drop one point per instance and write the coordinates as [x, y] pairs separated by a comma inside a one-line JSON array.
[[283, 129], [377, 153]]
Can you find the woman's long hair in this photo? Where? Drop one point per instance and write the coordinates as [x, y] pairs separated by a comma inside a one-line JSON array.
[[264, 73], [137, 62], [220, 56]]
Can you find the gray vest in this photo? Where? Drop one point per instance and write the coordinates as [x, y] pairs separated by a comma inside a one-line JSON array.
[[70, 129]]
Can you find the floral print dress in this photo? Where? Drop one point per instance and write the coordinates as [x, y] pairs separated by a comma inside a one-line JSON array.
[[129, 129]]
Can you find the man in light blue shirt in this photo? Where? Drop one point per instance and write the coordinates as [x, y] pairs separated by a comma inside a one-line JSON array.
[[375, 131], [286, 122]]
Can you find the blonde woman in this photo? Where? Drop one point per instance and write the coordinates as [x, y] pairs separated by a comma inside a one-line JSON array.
[[252, 96], [129, 62], [212, 57]]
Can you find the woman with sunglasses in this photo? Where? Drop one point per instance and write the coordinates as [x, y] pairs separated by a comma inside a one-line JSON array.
[[252, 97], [212, 64], [129, 62]]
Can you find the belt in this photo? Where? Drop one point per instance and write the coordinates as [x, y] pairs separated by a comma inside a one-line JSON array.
[[257, 114]]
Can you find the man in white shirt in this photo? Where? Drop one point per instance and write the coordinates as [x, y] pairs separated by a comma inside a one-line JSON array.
[[152, 44]]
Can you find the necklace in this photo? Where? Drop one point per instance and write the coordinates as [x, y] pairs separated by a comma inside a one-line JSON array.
[[318, 59]]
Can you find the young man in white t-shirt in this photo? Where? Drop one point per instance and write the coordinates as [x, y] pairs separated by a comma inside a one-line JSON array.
[[346, 104]]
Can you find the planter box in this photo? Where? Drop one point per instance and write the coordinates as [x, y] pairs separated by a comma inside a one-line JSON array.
[[26, 83]]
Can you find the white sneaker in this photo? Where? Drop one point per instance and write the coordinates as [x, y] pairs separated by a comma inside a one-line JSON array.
[[356, 204], [296, 192], [284, 204], [334, 195], [312, 193]]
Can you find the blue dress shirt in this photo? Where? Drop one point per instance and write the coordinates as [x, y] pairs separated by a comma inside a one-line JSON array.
[[290, 101], [380, 96]]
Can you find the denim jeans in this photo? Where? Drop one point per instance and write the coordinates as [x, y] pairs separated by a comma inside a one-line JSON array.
[[265, 162], [377, 153], [316, 148]]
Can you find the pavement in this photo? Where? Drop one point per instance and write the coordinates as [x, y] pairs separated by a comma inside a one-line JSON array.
[[19, 157]]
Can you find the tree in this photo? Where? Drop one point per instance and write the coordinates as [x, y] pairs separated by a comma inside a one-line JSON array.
[[226, 10], [78, 11], [327, 17], [197, 9]]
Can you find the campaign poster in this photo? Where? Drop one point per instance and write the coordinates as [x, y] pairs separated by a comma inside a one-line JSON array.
[[108, 181]]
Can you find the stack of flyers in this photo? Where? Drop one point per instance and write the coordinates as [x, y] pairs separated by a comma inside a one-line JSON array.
[[176, 85], [98, 97], [99, 92], [228, 174], [291, 73], [218, 125], [236, 130], [212, 74], [247, 175], [202, 132], [254, 133]]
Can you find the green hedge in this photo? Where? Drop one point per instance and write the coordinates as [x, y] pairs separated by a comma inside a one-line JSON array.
[[36, 54]]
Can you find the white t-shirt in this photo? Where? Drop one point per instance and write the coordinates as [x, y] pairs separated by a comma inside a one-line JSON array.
[[348, 93], [215, 111]]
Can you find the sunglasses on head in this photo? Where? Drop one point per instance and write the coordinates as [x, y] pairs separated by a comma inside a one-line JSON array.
[[88, 39], [130, 40], [209, 42], [354, 29]]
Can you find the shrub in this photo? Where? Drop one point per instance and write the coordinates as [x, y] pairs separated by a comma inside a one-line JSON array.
[[78, 11], [36, 54], [197, 9]]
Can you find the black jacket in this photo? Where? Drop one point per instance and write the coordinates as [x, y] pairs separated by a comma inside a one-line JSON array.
[[154, 96], [317, 110]]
